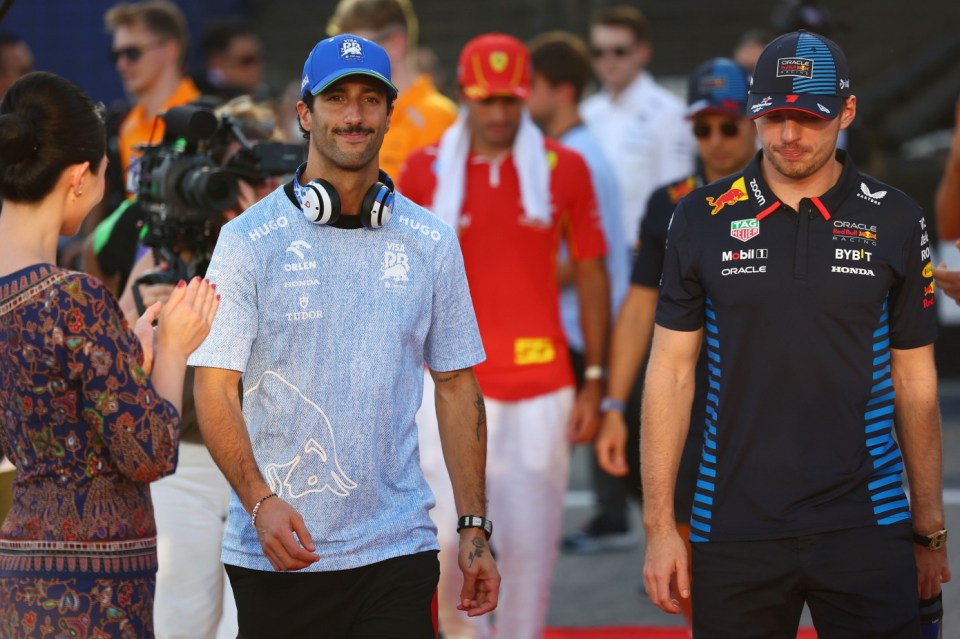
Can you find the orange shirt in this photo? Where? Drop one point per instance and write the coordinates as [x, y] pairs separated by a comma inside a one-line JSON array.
[[137, 128], [511, 264], [420, 116]]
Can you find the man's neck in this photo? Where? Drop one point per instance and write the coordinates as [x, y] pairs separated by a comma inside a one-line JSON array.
[[153, 99], [566, 118], [351, 185], [790, 190], [617, 92], [489, 150]]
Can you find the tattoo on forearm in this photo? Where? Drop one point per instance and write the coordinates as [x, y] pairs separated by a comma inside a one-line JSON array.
[[450, 378], [477, 550], [481, 416]]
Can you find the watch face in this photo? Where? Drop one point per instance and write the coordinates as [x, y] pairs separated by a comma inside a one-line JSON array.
[[938, 540]]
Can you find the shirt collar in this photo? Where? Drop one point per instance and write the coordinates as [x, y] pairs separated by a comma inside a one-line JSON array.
[[764, 202]]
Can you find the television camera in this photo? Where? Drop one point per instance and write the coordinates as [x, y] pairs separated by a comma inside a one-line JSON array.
[[183, 192]]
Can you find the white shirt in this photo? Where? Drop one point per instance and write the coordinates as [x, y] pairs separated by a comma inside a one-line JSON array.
[[646, 138]]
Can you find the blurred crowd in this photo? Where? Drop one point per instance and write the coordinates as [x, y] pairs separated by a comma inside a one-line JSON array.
[[174, 180]]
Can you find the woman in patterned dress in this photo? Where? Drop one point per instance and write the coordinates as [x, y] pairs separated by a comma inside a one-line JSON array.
[[89, 411]]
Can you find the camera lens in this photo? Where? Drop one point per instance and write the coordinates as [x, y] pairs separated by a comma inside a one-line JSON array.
[[209, 189]]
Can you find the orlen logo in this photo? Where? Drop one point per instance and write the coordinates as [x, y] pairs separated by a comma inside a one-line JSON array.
[[744, 254], [264, 229]]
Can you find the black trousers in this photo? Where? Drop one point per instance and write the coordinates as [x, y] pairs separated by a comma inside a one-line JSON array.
[[859, 583], [392, 599]]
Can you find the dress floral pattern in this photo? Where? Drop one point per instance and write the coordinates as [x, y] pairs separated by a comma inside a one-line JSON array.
[[81, 422]]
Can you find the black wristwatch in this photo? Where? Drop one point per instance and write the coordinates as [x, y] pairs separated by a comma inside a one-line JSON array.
[[475, 521], [933, 541]]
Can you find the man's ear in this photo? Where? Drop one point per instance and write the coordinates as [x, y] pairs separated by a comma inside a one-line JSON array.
[[848, 111], [303, 114]]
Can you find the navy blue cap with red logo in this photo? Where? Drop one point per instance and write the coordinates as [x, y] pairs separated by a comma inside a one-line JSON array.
[[718, 86], [801, 71]]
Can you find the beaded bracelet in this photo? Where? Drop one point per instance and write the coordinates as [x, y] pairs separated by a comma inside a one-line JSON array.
[[256, 509]]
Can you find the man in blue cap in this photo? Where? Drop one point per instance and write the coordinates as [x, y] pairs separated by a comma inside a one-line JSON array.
[[338, 291], [810, 287]]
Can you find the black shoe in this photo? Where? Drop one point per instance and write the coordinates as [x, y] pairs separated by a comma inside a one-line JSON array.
[[597, 537]]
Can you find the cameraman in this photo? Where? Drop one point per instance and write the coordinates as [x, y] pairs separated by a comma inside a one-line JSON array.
[[192, 597]]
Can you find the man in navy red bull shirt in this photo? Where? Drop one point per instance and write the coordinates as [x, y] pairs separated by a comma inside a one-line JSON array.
[[809, 284]]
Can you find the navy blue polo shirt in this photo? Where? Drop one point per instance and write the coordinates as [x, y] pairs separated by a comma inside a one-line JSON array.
[[800, 310], [647, 271]]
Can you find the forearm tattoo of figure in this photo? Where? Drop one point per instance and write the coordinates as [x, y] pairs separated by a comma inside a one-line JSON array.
[[481, 415], [477, 550]]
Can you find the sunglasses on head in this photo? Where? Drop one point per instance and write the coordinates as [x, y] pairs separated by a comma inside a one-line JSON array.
[[134, 53], [703, 130], [617, 52]]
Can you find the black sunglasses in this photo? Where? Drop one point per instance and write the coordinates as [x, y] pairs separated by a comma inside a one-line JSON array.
[[617, 52], [703, 130], [132, 54]]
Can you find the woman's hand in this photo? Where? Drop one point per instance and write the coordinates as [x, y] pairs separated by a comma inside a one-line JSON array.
[[184, 321], [144, 331]]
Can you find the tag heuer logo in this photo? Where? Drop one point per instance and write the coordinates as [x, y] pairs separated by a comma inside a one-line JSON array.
[[745, 230]]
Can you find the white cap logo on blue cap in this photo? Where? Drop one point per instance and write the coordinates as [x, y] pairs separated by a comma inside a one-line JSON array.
[[341, 56], [350, 49]]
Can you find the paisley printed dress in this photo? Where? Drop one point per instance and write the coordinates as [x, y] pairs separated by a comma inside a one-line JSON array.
[[87, 433]]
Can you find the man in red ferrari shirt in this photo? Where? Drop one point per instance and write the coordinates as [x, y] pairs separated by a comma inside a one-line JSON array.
[[513, 196]]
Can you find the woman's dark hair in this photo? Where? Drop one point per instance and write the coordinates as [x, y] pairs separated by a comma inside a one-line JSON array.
[[47, 123]]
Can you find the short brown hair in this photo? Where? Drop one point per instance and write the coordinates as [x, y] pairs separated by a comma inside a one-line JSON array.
[[562, 58], [624, 16], [162, 18], [375, 15]]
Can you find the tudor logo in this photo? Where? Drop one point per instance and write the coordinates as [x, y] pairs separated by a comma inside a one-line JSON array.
[[757, 193]]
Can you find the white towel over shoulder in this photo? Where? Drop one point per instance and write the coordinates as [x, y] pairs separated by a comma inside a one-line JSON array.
[[529, 156]]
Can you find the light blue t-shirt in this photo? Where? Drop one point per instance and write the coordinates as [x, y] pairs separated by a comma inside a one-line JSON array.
[[331, 328], [607, 192]]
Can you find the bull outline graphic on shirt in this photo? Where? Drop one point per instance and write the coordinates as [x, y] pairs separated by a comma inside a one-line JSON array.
[[303, 475]]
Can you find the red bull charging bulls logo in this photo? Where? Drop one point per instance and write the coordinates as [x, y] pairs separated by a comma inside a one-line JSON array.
[[737, 193]]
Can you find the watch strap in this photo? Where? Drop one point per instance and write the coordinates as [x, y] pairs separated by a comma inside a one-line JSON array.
[[933, 541], [475, 521], [608, 404], [595, 371]]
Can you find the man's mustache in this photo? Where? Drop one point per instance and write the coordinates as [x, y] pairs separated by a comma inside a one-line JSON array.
[[350, 130]]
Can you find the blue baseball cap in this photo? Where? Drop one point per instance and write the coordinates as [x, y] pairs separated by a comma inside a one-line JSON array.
[[718, 86], [802, 71], [343, 55]]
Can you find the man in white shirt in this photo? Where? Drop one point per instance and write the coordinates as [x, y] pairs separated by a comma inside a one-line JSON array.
[[639, 124], [642, 131]]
